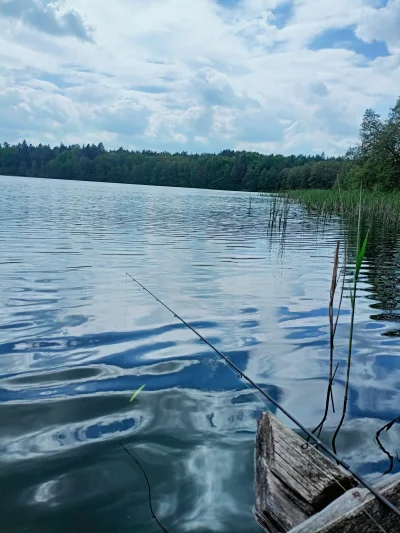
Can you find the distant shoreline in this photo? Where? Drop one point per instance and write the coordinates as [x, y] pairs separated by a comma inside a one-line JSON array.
[[228, 170]]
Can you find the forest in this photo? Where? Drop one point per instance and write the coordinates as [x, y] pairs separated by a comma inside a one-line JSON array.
[[229, 169], [374, 161]]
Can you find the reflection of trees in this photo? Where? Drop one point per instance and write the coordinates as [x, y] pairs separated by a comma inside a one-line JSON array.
[[382, 257], [383, 273]]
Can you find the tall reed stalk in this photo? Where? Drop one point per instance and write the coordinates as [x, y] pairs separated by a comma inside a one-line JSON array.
[[360, 254], [333, 322]]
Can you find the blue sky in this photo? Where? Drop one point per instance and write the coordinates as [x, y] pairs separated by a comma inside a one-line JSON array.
[[347, 39], [266, 75]]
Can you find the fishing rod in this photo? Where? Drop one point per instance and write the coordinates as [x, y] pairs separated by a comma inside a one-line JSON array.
[[240, 374]]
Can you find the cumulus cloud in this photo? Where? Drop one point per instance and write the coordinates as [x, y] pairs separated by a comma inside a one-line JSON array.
[[36, 112], [214, 88], [195, 76], [259, 127], [50, 17], [126, 117], [381, 24]]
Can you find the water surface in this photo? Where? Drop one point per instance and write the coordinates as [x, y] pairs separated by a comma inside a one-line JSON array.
[[78, 337]]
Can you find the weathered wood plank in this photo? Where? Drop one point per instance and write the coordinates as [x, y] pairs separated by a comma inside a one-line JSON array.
[[358, 511], [292, 483]]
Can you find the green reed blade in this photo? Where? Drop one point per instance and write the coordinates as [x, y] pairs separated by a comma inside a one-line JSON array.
[[360, 255], [136, 393]]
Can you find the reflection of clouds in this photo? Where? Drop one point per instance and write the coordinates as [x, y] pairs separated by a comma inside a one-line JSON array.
[[357, 446], [175, 412], [46, 492], [305, 399], [215, 470], [66, 437], [71, 358], [166, 342], [159, 369], [196, 447]]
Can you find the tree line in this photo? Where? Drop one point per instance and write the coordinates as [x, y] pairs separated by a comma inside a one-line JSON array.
[[233, 170], [375, 161]]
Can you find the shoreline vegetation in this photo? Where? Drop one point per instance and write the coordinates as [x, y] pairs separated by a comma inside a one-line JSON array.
[[382, 206], [373, 165], [228, 170]]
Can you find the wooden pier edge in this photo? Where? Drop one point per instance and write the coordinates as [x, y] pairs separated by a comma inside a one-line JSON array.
[[300, 490]]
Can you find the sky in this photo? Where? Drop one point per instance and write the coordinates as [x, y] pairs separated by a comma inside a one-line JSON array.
[[273, 76]]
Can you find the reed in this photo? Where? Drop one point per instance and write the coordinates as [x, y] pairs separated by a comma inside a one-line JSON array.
[[249, 209], [333, 322], [352, 208], [380, 206], [360, 254]]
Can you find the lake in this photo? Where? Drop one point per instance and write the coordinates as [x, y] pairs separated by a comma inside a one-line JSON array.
[[78, 337]]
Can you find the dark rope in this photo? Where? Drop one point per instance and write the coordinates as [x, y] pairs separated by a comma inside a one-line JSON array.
[[327, 450], [148, 486]]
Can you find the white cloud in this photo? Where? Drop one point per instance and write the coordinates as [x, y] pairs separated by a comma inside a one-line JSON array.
[[381, 24], [311, 17], [184, 75], [50, 17], [201, 140]]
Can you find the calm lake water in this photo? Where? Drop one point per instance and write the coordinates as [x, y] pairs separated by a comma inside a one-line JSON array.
[[78, 337]]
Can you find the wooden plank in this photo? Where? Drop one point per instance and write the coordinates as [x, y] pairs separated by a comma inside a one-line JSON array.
[[292, 483], [358, 511]]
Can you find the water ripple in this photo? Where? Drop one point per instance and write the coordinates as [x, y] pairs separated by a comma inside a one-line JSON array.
[[77, 337]]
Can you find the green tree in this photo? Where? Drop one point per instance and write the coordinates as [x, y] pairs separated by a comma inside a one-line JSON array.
[[376, 159]]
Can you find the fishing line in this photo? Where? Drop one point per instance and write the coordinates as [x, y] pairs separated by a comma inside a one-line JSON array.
[[148, 486], [241, 375], [126, 300]]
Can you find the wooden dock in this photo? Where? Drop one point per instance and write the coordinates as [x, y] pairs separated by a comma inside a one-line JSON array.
[[300, 490]]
